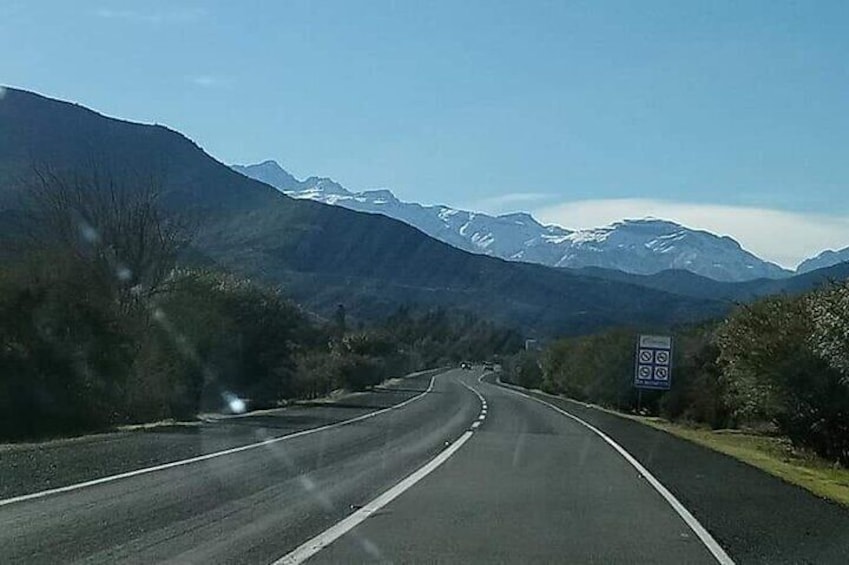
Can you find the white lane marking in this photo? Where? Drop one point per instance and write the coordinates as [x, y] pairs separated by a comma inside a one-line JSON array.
[[319, 542], [482, 413], [712, 545], [322, 540], [127, 475]]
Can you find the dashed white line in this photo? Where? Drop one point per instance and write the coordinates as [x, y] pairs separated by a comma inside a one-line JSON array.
[[482, 413], [322, 540], [137, 472], [319, 542]]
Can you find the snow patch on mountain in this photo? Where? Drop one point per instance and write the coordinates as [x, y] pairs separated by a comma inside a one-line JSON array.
[[642, 246], [825, 259]]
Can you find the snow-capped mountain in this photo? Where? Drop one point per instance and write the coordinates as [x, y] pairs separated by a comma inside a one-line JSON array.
[[643, 246], [825, 259]]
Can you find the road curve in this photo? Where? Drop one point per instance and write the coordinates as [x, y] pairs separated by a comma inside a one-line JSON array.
[[530, 486], [250, 506], [465, 472]]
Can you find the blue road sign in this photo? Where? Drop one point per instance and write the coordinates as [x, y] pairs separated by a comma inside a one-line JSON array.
[[653, 367]]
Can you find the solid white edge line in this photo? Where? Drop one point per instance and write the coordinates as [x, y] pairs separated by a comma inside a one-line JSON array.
[[146, 470], [322, 540], [701, 532]]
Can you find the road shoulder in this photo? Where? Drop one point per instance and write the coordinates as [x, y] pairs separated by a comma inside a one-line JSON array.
[[757, 517], [27, 468], [530, 486]]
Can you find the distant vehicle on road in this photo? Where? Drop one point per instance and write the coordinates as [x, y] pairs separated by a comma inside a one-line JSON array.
[[488, 366], [466, 365]]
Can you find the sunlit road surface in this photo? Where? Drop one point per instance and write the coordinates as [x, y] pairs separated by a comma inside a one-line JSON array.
[[523, 483], [531, 486]]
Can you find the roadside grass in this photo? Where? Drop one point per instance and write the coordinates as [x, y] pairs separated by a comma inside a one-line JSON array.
[[775, 455]]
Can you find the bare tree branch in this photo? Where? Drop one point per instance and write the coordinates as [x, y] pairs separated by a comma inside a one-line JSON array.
[[115, 223]]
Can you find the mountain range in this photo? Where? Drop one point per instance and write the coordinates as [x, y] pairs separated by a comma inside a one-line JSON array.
[[321, 255], [825, 259], [640, 246], [324, 255]]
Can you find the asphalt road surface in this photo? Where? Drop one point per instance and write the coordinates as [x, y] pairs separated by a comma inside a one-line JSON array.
[[429, 469], [531, 486]]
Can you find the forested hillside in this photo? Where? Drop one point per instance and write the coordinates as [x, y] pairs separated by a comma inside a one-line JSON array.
[[323, 255], [780, 364], [100, 324]]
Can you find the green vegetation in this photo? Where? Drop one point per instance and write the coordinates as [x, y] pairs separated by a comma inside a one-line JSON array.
[[100, 324], [779, 365], [524, 370], [322, 255], [773, 454]]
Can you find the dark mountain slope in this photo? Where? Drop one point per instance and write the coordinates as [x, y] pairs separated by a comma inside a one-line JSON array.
[[324, 255], [685, 283]]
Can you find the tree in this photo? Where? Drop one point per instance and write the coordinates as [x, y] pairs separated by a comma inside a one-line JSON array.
[[112, 222], [781, 361], [340, 318], [75, 313], [524, 370]]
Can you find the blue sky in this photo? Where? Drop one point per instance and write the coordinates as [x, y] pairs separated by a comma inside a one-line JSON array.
[[729, 116]]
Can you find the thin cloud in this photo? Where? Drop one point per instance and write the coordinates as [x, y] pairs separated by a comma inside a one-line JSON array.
[[785, 238], [184, 15], [508, 202], [208, 81]]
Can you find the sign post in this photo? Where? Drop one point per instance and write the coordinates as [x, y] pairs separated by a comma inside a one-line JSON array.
[[653, 367]]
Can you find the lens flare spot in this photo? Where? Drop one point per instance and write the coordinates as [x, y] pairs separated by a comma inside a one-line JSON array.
[[234, 403], [370, 548], [89, 233], [307, 483]]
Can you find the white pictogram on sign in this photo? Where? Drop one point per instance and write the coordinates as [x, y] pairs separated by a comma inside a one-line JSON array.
[[653, 362]]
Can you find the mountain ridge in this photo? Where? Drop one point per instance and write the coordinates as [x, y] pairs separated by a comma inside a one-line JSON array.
[[638, 246], [321, 255], [827, 258]]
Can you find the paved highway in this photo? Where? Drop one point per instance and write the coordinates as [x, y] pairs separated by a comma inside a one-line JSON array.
[[429, 469], [250, 506], [531, 486]]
